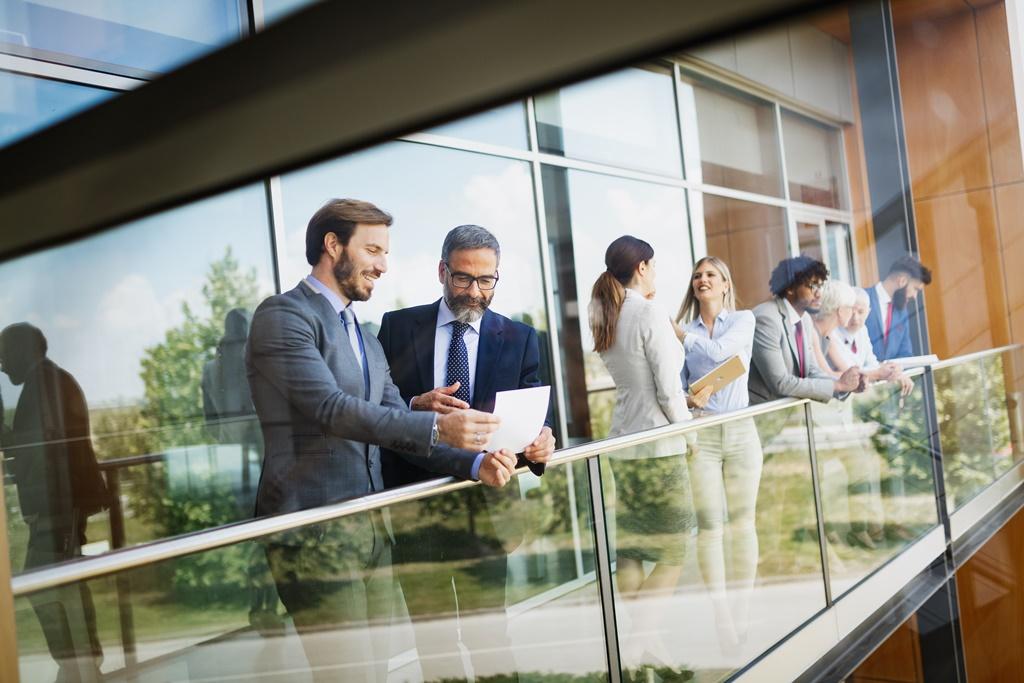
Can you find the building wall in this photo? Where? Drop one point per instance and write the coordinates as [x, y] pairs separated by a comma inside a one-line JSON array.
[[965, 166]]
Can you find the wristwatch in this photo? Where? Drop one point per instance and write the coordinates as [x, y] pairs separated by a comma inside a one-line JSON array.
[[435, 434]]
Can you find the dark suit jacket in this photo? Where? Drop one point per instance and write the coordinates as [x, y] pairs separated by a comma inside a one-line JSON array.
[[898, 343], [320, 436], [50, 447], [508, 357]]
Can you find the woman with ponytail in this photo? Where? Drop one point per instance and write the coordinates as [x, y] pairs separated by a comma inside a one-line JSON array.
[[650, 488]]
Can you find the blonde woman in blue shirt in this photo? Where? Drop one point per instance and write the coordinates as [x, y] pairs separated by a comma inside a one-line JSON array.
[[725, 464]]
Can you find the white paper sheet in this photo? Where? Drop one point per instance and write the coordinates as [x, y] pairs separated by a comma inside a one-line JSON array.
[[522, 413]]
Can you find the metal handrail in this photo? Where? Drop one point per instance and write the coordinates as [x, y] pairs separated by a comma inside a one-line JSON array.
[[179, 546], [977, 355]]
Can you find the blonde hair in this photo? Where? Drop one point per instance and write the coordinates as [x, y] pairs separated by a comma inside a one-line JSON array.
[[834, 295], [690, 307]]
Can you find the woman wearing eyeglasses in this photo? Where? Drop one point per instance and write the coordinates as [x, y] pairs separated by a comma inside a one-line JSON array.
[[653, 503]]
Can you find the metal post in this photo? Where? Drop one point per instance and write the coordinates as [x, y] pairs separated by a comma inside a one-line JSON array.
[[816, 485], [122, 583], [603, 569]]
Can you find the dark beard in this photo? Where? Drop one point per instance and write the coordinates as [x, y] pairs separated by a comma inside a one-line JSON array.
[[899, 299], [343, 272]]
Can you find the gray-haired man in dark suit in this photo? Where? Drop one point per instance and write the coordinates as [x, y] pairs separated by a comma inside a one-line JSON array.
[[326, 402]]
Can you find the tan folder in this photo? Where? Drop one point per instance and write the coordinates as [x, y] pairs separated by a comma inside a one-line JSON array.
[[720, 375]]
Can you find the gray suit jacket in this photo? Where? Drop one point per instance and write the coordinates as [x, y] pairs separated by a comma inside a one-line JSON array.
[[773, 364], [321, 438]]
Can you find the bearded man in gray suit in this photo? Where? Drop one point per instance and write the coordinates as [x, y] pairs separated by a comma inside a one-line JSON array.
[[326, 403]]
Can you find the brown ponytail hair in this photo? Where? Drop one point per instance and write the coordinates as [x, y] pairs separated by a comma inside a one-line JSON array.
[[621, 260]]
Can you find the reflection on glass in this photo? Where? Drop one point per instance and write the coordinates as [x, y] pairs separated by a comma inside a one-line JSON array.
[[460, 188], [144, 335], [274, 10], [877, 490], [344, 604], [627, 118], [750, 237], [814, 162], [141, 35], [585, 212], [33, 103], [701, 605], [808, 235], [739, 142], [505, 126], [979, 413]]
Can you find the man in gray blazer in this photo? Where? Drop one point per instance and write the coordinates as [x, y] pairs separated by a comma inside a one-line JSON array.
[[326, 402], [783, 360]]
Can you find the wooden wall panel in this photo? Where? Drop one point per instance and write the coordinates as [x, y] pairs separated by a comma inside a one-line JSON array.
[[943, 105], [1010, 209], [991, 592], [897, 660], [1000, 104], [966, 302]]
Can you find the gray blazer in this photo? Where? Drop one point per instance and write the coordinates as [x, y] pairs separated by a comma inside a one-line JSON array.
[[321, 438], [773, 364]]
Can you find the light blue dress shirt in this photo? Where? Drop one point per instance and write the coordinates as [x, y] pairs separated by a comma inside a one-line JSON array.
[[733, 335]]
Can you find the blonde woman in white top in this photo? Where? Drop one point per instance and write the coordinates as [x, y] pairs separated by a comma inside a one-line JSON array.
[[653, 504]]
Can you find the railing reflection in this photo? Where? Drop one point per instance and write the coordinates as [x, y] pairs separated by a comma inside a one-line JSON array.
[[722, 539]]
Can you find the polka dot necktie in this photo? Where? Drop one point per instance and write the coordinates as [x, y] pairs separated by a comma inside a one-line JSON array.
[[458, 361]]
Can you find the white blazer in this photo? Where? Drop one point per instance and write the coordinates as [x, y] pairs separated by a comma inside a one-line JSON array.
[[645, 360]]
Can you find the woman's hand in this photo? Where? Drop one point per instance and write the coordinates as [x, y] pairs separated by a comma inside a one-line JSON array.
[[701, 398], [678, 329]]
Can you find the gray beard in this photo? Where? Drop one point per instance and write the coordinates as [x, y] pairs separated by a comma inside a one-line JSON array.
[[464, 314]]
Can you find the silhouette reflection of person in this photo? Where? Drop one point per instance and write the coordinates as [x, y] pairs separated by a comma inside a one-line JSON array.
[[231, 419], [59, 485]]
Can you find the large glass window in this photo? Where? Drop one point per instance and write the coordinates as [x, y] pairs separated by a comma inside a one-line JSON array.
[[737, 137], [627, 118], [814, 162], [429, 190], [750, 237], [135, 364], [32, 103], [585, 212], [145, 34], [505, 126]]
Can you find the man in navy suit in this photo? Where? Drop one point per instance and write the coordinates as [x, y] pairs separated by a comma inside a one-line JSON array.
[[888, 321], [453, 354]]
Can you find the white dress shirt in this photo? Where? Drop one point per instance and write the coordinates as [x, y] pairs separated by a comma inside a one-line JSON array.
[[864, 357]]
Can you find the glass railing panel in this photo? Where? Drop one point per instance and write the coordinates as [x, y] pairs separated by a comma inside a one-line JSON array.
[[875, 473], [475, 583], [715, 544], [979, 414]]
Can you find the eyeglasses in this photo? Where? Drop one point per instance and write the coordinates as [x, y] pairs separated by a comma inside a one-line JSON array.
[[465, 280], [815, 286]]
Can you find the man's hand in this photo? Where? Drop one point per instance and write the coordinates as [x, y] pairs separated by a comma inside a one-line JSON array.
[[469, 429], [701, 398], [440, 400], [851, 380], [496, 468], [889, 371], [906, 384], [542, 448]]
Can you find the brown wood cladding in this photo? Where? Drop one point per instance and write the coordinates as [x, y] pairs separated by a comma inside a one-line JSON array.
[[966, 171], [897, 660], [751, 238], [990, 586]]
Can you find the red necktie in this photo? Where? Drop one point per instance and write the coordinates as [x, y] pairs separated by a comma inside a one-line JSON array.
[[888, 323], [855, 346], [800, 346]]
